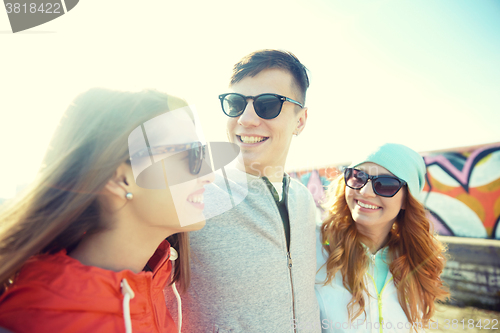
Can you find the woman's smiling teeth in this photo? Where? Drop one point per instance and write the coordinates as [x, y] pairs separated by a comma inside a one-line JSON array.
[[196, 198], [367, 205], [251, 139]]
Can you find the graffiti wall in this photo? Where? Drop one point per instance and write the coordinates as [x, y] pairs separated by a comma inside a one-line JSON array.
[[462, 190]]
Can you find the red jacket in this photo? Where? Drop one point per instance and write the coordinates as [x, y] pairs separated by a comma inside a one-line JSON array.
[[56, 293]]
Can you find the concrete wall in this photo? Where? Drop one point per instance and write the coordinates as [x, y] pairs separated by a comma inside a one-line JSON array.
[[473, 272]]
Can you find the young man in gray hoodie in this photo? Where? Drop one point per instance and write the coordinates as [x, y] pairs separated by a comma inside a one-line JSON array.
[[253, 266]]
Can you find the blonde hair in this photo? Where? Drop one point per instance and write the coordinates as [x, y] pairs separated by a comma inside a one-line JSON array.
[[416, 256], [62, 205]]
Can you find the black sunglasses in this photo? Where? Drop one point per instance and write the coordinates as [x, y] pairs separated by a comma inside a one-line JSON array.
[[266, 106], [196, 154], [384, 185]]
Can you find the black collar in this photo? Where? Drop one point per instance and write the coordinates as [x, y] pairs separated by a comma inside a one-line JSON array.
[[272, 189]]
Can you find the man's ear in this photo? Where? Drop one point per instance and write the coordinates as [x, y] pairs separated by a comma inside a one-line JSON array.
[[301, 124], [118, 184]]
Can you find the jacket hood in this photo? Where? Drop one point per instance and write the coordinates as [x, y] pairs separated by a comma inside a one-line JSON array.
[[57, 282]]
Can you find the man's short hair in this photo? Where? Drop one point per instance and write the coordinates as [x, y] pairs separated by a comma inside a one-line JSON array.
[[257, 61]]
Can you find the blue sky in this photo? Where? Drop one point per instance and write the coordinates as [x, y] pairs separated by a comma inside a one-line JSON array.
[[422, 73]]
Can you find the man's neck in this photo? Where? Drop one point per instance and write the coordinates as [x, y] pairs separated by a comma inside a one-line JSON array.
[[273, 173]]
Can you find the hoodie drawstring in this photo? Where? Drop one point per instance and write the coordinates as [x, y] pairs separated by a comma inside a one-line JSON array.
[[173, 256], [128, 294]]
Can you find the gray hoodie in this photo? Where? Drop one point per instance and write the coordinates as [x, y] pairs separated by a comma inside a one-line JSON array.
[[243, 279]]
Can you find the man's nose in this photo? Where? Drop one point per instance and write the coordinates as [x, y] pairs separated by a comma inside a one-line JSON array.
[[249, 117]]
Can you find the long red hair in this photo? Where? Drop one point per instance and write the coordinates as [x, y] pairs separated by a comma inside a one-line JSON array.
[[416, 256]]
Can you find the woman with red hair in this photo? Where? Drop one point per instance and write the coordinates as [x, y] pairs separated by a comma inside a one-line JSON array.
[[379, 261]]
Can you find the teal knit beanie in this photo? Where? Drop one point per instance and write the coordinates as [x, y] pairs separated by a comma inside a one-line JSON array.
[[403, 162]]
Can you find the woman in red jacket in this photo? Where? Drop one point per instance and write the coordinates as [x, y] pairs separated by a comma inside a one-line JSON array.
[[84, 249]]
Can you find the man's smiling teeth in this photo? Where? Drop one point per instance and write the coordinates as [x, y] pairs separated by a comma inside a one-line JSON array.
[[251, 139], [367, 205], [196, 198]]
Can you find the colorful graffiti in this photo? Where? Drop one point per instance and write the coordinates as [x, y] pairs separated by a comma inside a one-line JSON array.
[[462, 191], [316, 180]]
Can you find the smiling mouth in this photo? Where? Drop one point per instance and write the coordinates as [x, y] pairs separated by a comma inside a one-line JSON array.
[[251, 139], [368, 206], [196, 198]]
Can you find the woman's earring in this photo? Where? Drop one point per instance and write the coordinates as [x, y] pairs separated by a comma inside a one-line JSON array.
[[129, 196]]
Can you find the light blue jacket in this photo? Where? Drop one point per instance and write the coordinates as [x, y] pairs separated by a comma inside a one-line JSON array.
[[380, 307]]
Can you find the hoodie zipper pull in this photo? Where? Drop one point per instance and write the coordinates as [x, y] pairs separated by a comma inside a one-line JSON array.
[[289, 263]]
